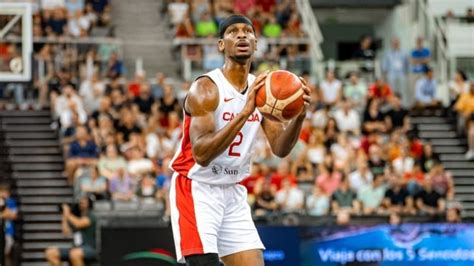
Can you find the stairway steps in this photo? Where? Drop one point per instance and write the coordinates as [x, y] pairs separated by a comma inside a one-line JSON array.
[[468, 206], [463, 189], [463, 172], [30, 136], [464, 197], [41, 183], [45, 236], [36, 159], [464, 181], [37, 175], [26, 120], [44, 113], [35, 151], [45, 244], [27, 128], [44, 191], [428, 120], [32, 143], [435, 127], [46, 200], [41, 227], [447, 149], [453, 157], [459, 165], [437, 135], [37, 166], [42, 218], [449, 142], [39, 208]]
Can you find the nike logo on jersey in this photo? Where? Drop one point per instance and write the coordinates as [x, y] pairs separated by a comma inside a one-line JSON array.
[[228, 99]]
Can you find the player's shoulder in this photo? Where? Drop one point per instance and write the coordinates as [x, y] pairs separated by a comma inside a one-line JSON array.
[[203, 96]]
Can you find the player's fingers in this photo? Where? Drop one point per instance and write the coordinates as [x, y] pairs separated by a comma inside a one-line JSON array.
[[262, 76], [257, 85], [307, 99], [303, 81]]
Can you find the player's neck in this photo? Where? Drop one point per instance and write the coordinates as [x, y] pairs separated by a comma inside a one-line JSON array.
[[236, 74]]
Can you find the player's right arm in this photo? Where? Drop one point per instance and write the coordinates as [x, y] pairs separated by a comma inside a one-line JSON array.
[[201, 102]]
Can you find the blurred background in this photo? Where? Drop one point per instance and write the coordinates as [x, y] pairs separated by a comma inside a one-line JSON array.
[[91, 96]]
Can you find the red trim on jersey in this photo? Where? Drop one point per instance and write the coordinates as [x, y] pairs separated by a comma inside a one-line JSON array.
[[184, 161], [190, 240]]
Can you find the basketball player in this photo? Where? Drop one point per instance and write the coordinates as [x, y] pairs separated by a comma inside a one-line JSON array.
[[209, 212]]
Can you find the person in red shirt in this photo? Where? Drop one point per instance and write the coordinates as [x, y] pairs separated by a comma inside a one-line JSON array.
[[283, 172], [416, 146], [135, 85], [380, 90], [251, 182]]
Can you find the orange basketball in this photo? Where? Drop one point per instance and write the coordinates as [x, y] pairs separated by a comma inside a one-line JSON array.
[[281, 98]]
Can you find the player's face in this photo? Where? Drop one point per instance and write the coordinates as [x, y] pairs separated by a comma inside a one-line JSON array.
[[239, 42]]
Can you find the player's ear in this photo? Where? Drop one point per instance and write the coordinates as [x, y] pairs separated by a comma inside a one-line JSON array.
[[256, 46], [220, 45]]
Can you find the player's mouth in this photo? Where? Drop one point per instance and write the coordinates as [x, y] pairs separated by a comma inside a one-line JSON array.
[[243, 46]]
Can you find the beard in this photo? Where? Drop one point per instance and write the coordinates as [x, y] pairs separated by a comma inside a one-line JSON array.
[[241, 58]]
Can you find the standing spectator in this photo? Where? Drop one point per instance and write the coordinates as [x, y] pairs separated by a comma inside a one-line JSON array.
[[365, 53], [345, 198], [469, 15], [361, 177], [289, 198], [372, 195], [395, 67], [82, 151], [111, 162], [348, 119], [317, 203], [94, 185], [121, 186], [83, 224], [356, 91], [420, 57], [397, 117], [8, 214], [331, 89], [425, 91], [465, 108]]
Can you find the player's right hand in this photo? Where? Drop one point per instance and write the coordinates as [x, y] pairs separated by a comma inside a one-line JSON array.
[[249, 107]]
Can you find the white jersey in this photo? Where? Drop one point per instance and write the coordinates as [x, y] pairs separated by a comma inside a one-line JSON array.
[[233, 165]]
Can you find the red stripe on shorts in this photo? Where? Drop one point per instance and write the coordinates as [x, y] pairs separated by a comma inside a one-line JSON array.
[[190, 240]]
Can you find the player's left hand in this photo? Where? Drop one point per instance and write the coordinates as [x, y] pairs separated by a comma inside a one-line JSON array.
[[306, 97]]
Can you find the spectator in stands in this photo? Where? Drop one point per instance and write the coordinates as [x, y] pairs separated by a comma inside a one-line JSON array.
[[57, 22], [366, 53], [360, 177], [343, 218], [397, 199], [331, 89], [394, 219], [374, 120], [348, 119], [356, 91], [404, 163], [94, 185], [121, 186], [469, 15], [138, 164], [453, 213], [244, 6], [344, 198], [114, 66], [420, 58], [283, 172], [395, 68], [157, 87], [167, 104], [82, 151], [206, 26], [163, 183], [441, 181], [272, 29], [253, 182], [458, 86], [127, 125], [320, 117], [465, 108], [376, 160], [342, 152], [91, 91], [74, 5], [372, 195], [147, 189], [317, 203], [78, 25], [426, 91], [470, 138], [380, 90], [289, 198], [428, 201], [9, 215], [265, 200], [145, 99], [315, 149], [67, 104], [397, 117], [111, 162], [177, 10], [83, 224], [414, 179], [102, 9], [331, 131], [328, 180], [428, 158]]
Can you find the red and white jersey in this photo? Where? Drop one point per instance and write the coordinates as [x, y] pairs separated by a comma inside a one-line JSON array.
[[233, 165]]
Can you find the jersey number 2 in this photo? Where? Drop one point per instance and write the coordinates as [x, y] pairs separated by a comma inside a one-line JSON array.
[[234, 144]]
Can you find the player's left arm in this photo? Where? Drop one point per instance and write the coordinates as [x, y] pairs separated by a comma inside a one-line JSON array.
[[283, 138]]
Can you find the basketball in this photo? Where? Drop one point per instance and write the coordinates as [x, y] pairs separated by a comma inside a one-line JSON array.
[[281, 98]]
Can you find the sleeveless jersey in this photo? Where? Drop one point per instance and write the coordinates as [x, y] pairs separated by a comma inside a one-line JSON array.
[[233, 165]]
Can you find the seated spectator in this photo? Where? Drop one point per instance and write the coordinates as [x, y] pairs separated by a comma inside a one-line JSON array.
[[265, 199], [82, 151], [289, 198], [94, 185], [425, 91], [74, 5], [138, 164], [328, 180], [397, 199], [83, 224], [377, 163], [414, 179], [78, 24], [145, 99], [315, 149], [361, 177], [331, 131], [415, 145], [404, 163], [374, 120], [91, 91], [105, 109], [458, 86], [67, 104], [331, 89], [111, 162], [102, 9], [177, 10], [428, 158], [348, 119], [272, 29], [252, 182], [126, 126], [135, 85], [163, 183], [469, 15], [58, 22], [157, 87], [453, 213], [317, 203], [114, 66], [283, 172], [9, 215], [121, 186], [206, 26], [394, 219], [104, 133], [441, 181], [380, 90], [147, 188], [356, 91], [397, 117], [372, 195], [428, 201], [319, 119], [344, 198], [342, 152], [167, 104], [343, 218]]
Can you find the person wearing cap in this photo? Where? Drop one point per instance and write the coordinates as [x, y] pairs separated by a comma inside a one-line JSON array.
[[210, 216]]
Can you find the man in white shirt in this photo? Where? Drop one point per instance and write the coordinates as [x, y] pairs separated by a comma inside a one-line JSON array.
[[347, 119], [331, 89], [289, 198], [361, 177]]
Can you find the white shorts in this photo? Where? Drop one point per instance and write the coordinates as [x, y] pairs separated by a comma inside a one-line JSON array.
[[210, 218]]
